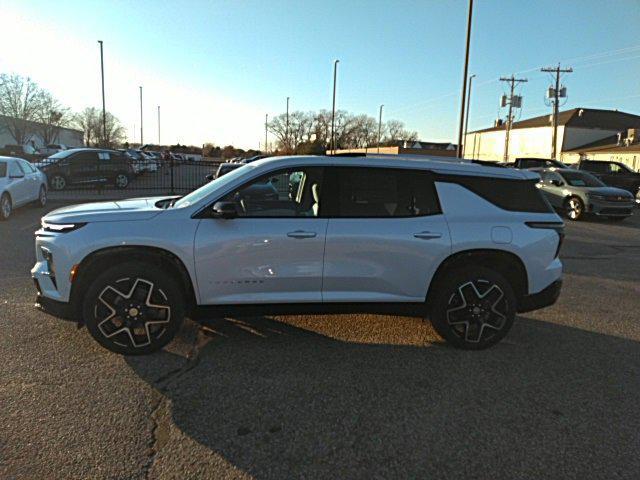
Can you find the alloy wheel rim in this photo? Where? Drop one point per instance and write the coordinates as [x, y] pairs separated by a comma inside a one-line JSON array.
[[121, 181], [6, 207], [58, 182], [574, 209], [43, 196], [136, 318], [477, 310]]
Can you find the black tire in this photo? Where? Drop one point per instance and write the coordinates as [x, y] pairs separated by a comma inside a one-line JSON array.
[[133, 308], [473, 308], [574, 208], [121, 180], [58, 182], [6, 207]]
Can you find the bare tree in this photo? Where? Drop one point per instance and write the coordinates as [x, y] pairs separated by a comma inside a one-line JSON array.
[[20, 102], [396, 131], [52, 116], [90, 122]]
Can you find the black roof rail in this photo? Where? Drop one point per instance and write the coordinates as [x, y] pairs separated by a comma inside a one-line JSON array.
[[347, 154]]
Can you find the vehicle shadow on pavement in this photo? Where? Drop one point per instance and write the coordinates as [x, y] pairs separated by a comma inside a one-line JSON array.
[[278, 401]]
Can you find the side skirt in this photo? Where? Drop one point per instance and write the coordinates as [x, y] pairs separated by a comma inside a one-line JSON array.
[[397, 309]]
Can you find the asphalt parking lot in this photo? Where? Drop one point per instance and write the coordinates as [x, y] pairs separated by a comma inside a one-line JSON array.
[[332, 396]]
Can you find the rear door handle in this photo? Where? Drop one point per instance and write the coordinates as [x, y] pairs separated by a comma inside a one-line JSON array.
[[427, 235], [301, 234]]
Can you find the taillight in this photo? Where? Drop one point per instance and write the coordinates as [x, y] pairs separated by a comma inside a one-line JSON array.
[[557, 226]]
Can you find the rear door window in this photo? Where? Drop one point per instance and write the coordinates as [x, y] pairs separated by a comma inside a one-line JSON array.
[[364, 192]]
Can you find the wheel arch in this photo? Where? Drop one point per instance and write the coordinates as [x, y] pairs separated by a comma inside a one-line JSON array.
[[103, 258], [506, 263]]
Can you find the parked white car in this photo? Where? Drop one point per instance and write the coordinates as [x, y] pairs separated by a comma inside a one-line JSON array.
[[20, 183], [464, 244]]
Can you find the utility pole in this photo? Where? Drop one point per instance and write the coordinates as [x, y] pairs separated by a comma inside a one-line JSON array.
[[512, 101], [464, 78], [286, 136], [266, 123], [379, 127], [141, 136], [557, 94], [158, 125], [466, 116], [104, 110], [333, 108]]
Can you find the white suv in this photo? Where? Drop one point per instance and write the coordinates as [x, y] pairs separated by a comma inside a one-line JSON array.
[[464, 244]]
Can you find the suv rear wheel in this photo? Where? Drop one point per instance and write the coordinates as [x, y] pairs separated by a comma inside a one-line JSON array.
[[133, 308], [473, 308]]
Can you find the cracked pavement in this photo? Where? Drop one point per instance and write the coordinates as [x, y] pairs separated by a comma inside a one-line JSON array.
[[348, 396]]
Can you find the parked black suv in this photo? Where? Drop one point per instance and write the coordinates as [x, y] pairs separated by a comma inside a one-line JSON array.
[[614, 174], [523, 163], [86, 166]]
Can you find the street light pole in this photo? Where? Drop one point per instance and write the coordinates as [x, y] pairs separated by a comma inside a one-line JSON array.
[[333, 108], [104, 110], [379, 127], [286, 136], [466, 119], [464, 79], [141, 136], [158, 125]]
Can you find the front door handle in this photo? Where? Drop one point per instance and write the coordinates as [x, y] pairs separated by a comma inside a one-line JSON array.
[[301, 234], [427, 235]]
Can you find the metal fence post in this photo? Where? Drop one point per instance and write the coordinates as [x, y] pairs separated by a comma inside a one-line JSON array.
[[171, 173]]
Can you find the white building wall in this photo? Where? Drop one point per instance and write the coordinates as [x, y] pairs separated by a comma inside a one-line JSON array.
[[523, 142]]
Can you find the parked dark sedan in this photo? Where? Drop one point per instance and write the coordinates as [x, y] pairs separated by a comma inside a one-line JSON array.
[[615, 174], [86, 166]]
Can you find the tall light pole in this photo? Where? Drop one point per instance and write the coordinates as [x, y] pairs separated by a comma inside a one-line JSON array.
[[158, 125], [104, 110], [379, 127], [466, 116], [141, 135], [333, 108], [286, 136], [266, 123], [464, 78]]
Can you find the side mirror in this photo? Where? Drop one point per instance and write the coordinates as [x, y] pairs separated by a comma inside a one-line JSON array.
[[226, 210], [209, 177], [275, 180], [557, 183]]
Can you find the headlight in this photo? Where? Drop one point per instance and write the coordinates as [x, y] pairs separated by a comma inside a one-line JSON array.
[[61, 227]]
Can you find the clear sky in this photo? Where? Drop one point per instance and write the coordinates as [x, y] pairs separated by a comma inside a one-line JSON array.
[[216, 67]]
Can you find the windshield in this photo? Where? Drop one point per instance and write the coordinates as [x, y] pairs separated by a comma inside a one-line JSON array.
[[581, 179], [62, 154], [210, 187]]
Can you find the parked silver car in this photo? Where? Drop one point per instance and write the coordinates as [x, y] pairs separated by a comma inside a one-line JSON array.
[[578, 193]]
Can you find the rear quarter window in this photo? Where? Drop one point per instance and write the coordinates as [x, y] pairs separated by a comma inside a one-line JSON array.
[[3, 169], [509, 194]]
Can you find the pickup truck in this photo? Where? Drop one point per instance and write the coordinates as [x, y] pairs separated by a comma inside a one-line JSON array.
[[614, 174]]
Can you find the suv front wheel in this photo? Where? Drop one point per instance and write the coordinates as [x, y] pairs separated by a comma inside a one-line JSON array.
[[473, 308], [133, 308]]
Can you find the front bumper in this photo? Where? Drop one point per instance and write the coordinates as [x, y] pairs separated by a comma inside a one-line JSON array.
[[57, 309], [611, 209], [542, 299]]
